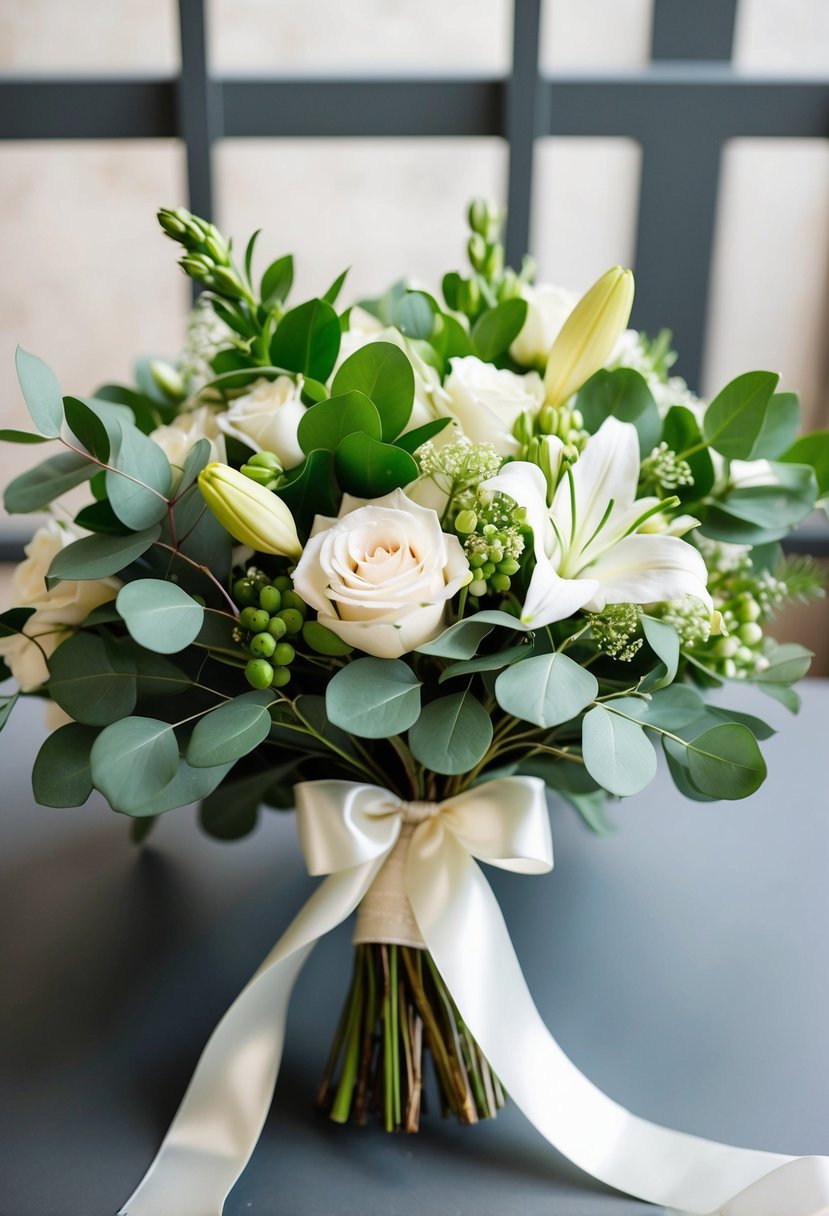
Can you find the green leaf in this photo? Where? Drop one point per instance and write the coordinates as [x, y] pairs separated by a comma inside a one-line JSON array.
[[99, 556], [724, 762], [160, 615], [592, 807], [231, 731], [812, 449], [488, 662], [461, 640], [452, 734], [8, 704], [780, 426], [677, 756], [307, 340], [373, 698], [87, 428], [100, 517], [621, 394], [412, 440], [670, 708], [786, 696], [92, 681], [277, 281], [62, 775], [663, 640], [682, 434], [12, 436], [496, 328], [132, 760], [414, 315], [41, 392], [760, 514], [383, 372], [188, 785], [196, 459], [336, 287], [368, 468], [788, 663], [735, 421], [35, 489], [617, 753], [323, 426], [313, 490], [233, 809], [546, 690], [13, 621], [138, 490]]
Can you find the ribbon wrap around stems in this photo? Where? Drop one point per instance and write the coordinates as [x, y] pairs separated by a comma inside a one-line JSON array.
[[347, 830]]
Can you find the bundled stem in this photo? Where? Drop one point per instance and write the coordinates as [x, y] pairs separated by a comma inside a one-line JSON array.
[[397, 1010]]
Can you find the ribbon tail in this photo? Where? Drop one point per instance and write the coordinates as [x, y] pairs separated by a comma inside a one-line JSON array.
[[464, 929], [224, 1109]]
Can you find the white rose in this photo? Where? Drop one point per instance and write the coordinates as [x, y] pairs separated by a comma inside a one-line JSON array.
[[179, 436], [381, 575], [487, 401], [430, 401], [548, 307], [267, 417], [56, 611]]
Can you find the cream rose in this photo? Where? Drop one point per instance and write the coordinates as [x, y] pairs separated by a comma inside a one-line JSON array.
[[430, 400], [488, 401], [57, 611], [381, 575], [178, 437], [267, 417], [548, 307]]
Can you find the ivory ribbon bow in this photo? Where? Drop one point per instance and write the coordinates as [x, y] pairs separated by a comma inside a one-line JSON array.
[[347, 830]]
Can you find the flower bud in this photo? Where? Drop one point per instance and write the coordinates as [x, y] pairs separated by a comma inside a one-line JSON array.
[[466, 522], [227, 281], [589, 334], [167, 379], [468, 297], [250, 513], [546, 452], [484, 218]]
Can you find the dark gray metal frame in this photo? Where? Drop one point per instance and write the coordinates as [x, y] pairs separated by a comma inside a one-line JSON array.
[[682, 108]]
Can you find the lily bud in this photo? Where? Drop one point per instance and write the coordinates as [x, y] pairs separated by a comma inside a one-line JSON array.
[[251, 514], [589, 334], [546, 451], [168, 379]]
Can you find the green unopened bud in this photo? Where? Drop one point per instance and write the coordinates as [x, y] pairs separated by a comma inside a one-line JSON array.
[[171, 223], [468, 297], [324, 641], [523, 428], [167, 379], [216, 246], [748, 611], [251, 514], [262, 476], [227, 281], [589, 334], [266, 460], [484, 218], [198, 268], [466, 521], [477, 587], [477, 250], [750, 633], [510, 286]]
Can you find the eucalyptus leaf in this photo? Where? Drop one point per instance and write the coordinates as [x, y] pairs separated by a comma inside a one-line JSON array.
[[99, 556], [368, 468], [617, 752], [452, 734], [414, 315], [724, 761], [41, 392], [13, 621], [12, 436], [138, 486], [323, 426], [277, 281], [100, 517], [187, 786], [682, 434], [196, 459], [461, 640], [546, 690], [35, 489], [488, 662], [496, 328], [812, 449], [788, 663], [87, 428], [231, 731], [735, 420], [383, 372], [160, 615], [307, 340], [663, 640], [373, 698], [62, 775], [412, 440], [92, 681], [670, 708], [621, 394], [132, 760], [312, 490]]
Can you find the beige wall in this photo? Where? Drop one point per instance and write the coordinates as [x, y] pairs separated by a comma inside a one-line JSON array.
[[87, 282]]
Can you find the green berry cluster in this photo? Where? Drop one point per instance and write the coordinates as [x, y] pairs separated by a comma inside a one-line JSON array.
[[491, 533], [271, 614]]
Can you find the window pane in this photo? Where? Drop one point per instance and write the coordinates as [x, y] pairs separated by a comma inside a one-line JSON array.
[[88, 36], [782, 36], [282, 36], [89, 282], [585, 198], [768, 296], [387, 208], [595, 33]]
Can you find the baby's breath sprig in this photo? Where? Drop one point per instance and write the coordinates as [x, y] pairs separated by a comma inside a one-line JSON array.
[[616, 631], [664, 471]]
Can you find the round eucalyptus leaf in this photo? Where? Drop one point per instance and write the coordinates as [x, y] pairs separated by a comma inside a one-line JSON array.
[[132, 760], [62, 775], [382, 372], [41, 392], [546, 690], [95, 683], [617, 752], [725, 762], [452, 734], [735, 420], [187, 785], [160, 615], [231, 731], [323, 425], [100, 555], [374, 698], [368, 468], [138, 486]]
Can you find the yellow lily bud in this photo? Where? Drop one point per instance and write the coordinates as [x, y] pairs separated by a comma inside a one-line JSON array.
[[588, 335], [250, 513]]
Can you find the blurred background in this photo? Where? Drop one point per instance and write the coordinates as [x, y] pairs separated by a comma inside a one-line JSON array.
[[688, 138]]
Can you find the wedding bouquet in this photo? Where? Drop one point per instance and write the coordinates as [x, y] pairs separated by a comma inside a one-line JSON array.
[[403, 565]]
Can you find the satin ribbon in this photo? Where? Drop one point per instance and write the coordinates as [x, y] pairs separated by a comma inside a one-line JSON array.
[[347, 830]]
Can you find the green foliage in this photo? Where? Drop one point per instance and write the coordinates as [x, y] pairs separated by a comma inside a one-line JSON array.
[[747, 421], [373, 698], [722, 762], [497, 328], [383, 373], [664, 642], [756, 515], [813, 450], [368, 468], [277, 281], [231, 731], [92, 680], [41, 392], [324, 425], [307, 340], [99, 556], [62, 775], [36, 488], [452, 734], [547, 690], [621, 394], [140, 482], [312, 490], [133, 760], [461, 640], [160, 615], [617, 752], [682, 434]]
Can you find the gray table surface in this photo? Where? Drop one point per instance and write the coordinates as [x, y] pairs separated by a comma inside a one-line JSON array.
[[680, 963]]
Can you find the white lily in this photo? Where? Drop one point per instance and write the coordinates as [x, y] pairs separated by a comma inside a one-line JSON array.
[[589, 547]]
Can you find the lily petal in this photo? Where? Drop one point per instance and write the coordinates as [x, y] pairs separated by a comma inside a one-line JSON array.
[[646, 569], [608, 468]]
